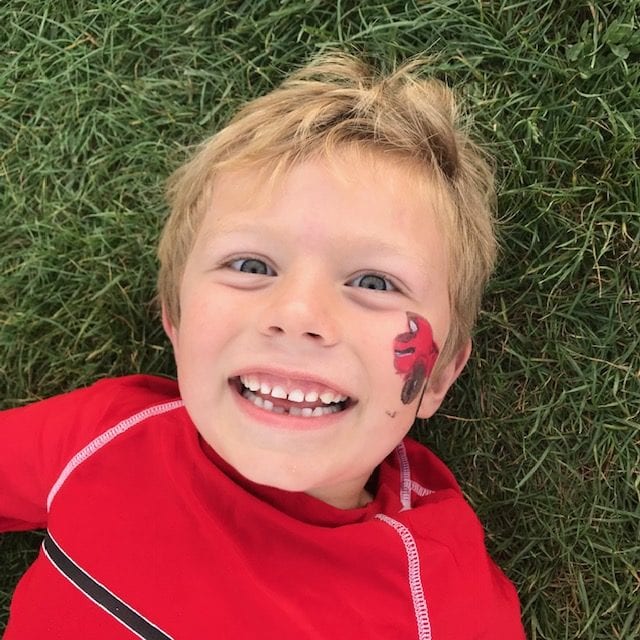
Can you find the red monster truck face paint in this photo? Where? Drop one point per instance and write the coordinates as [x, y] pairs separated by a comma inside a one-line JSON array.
[[415, 354]]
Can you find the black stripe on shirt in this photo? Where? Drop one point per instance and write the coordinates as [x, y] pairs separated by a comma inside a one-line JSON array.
[[100, 595]]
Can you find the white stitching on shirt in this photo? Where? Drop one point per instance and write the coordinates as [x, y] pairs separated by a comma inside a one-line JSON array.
[[104, 439], [405, 477], [416, 487], [415, 580]]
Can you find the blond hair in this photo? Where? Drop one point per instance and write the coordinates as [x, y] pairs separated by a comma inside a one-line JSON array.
[[334, 102]]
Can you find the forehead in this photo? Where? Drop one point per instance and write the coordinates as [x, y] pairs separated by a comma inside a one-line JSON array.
[[357, 192]]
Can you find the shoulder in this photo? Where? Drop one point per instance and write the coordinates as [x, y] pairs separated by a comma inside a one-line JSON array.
[[111, 397], [91, 404], [426, 468], [112, 403], [133, 391], [441, 521], [451, 541], [436, 491], [62, 425], [105, 412], [136, 386], [39, 441]]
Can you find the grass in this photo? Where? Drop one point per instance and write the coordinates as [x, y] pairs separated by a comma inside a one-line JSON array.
[[97, 104]]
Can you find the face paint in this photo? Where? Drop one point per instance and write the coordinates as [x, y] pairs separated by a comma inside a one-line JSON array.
[[415, 354]]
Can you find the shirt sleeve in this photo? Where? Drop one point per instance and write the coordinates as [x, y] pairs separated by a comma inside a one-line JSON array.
[[38, 440]]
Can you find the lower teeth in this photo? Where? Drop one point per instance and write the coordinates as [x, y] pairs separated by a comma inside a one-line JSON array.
[[305, 412]]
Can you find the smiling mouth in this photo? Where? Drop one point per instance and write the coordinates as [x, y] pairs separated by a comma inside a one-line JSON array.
[[290, 400]]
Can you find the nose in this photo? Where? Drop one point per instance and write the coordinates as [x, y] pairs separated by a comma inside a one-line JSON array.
[[302, 308]]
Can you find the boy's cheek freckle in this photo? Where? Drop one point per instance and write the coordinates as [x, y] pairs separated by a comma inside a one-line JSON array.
[[391, 414]]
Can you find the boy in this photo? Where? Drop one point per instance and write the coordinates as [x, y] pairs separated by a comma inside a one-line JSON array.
[[321, 270]]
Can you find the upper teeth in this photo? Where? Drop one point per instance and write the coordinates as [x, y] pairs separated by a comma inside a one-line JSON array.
[[294, 395]]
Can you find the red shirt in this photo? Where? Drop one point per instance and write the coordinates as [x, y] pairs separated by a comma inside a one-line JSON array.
[[151, 534]]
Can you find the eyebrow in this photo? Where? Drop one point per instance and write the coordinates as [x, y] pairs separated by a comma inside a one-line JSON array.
[[363, 243]]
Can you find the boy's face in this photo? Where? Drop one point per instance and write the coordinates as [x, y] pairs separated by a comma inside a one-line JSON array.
[[306, 290]]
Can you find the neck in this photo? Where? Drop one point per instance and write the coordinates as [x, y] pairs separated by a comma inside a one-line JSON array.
[[347, 500]]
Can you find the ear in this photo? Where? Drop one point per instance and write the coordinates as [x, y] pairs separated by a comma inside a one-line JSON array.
[[437, 387], [169, 329]]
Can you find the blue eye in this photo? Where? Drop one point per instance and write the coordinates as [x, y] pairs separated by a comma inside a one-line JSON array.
[[373, 281], [252, 265]]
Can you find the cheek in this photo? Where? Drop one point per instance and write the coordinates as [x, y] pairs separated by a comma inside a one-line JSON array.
[[414, 356], [208, 312]]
